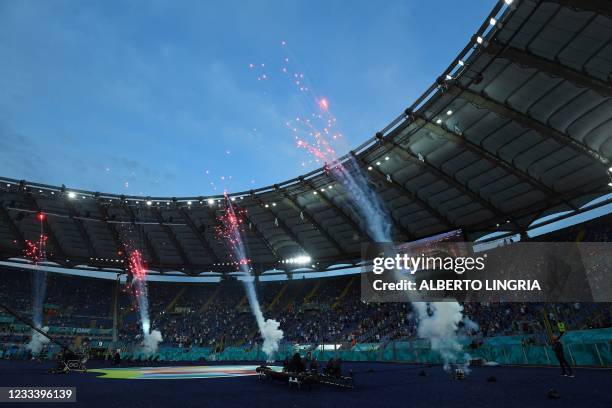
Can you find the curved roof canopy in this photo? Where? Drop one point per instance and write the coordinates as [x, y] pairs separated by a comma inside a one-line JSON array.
[[519, 126]]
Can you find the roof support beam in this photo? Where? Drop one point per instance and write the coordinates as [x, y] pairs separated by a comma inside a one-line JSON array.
[[81, 228], [429, 167], [175, 242], [413, 196], [201, 237], [4, 215], [524, 120], [479, 150], [337, 210], [282, 225], [110, 226], [552, 68], [309, 218], [596, 6], [543, 206], [147, 242], [253, 227]]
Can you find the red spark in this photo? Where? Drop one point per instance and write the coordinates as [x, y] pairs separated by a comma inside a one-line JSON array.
[[36, 251], [229, 230], [323, 104], [137, 266]]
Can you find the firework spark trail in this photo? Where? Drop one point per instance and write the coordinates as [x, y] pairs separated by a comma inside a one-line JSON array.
[[231, 223], [36, 252], [303, 94], [319, 125], [350, 176], [438, 321], [138, 269], [315, 131]]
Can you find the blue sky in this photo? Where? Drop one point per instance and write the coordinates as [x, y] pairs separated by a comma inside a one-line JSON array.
[[146, 97]]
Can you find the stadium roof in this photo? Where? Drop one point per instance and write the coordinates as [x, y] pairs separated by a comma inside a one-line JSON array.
[[519, 126]]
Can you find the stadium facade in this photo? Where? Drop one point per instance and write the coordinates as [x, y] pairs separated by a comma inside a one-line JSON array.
[[515, 134]]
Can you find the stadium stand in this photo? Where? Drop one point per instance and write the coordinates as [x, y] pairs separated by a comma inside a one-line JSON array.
[[311, 311]]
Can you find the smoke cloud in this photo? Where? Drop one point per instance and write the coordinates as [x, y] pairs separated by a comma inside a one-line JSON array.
[[151, 342], [38, 341], [439, 322], [268, 328]]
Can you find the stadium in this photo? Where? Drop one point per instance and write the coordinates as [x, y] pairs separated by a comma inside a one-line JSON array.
[[260, 297]]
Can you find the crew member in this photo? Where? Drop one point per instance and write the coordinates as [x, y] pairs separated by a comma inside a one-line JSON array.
[[557, 347], [296, 365], [314, 366]]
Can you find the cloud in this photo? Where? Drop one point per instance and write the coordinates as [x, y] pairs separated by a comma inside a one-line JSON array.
[[158, 92], [19, 158]]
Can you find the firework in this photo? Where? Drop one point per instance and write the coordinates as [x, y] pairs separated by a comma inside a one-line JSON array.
[[229, 230], [138, 270], [315, 130], [137, 265], [36, 252], [317, 135]]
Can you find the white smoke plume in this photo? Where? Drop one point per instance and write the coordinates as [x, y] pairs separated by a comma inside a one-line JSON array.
[[231, 233], [151, 342], [366, 200], [268, 328], [38, 341], [151, 338], [137, 266], [39, 290], [438, 321], [272, 335]]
